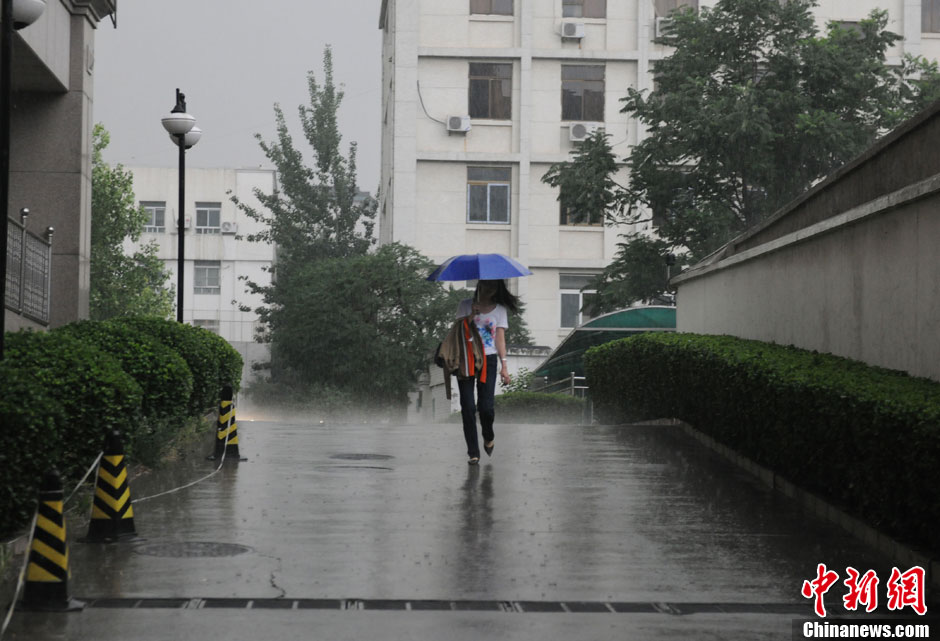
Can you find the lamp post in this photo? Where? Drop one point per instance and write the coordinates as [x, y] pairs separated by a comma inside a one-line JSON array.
[[183, 131], [14, 14]]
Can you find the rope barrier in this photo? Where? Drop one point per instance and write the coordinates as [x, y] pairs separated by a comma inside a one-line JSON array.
[[19, 581], [188, 485], [32, 527]]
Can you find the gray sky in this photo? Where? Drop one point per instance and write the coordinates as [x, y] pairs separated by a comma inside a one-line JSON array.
[[234, 59]]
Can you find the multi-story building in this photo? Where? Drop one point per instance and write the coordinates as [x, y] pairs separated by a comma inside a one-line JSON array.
[[219, 257], [480, 97], [51, 98]]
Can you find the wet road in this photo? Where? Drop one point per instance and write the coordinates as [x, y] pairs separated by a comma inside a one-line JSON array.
[[366, 531]]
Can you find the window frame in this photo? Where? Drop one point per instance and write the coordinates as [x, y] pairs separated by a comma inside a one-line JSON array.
[[491, 11], [209, 208], [582, 82], [662, 12], [930, 16], [496, 103], [490, 184], [201, 280], [592, 4], [151, 207], [563, 291], [210, 324]]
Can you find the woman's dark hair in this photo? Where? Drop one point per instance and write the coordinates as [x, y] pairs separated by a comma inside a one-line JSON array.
[[502, 296]]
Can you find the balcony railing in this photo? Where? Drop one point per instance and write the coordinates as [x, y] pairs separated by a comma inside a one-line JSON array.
[[29, 271]]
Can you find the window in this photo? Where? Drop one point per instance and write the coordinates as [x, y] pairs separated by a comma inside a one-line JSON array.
[[582, 92], [491, 90], [573, 298], [571, 216], [584, 8], [206, 323], [491, 7], [488, 194], [930, 16], [207, 218], [206, 275], [665, 7], [156, 212]]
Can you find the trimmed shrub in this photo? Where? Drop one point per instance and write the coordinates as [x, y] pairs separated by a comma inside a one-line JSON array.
[[866, 438], [85, 391], [230, 361], [163, 375], [197, 350], [538, 407], [30, 443]]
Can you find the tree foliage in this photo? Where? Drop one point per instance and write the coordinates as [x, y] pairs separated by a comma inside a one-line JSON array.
[[751, 109], [121, 285], [341, 315]]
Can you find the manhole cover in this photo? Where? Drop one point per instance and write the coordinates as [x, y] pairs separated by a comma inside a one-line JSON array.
[[192, 549], [362, 457]]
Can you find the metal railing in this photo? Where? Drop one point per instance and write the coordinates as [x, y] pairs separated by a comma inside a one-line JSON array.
[[29, 271], [573, 385]]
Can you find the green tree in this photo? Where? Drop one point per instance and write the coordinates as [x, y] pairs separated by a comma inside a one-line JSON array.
[[340, 314], [121, 285], [751, 109]]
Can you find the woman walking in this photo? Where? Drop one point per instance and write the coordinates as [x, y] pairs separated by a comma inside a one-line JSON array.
[[489, 308]]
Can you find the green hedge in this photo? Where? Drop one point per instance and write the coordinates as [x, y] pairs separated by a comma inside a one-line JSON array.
[[537, 407], [64, 390], [212, 363], [31, 443], [866, 438], [95, 395], [164, 377]]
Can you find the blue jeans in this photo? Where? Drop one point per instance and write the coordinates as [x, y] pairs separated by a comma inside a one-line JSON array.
[[485, 404]]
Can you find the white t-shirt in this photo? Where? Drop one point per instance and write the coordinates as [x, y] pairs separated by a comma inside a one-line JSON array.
[[486, 323]]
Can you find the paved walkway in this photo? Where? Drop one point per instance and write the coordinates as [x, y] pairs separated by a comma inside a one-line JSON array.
[[369, 531]]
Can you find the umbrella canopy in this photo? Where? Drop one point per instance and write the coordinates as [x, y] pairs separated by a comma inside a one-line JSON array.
[[479, 267]]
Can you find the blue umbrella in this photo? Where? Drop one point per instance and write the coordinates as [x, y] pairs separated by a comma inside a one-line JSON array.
[[479, 267]]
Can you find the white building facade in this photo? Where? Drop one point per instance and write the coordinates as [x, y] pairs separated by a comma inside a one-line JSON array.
[[219, 256], [481, 97]]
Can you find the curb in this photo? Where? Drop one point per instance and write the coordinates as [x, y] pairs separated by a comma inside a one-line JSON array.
[[819, 507]]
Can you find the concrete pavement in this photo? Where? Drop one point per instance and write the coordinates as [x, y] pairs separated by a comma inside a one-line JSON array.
[[372, 531]]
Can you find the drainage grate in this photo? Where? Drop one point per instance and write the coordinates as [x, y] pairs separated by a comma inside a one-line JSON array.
[[190, 549], [428, 605]]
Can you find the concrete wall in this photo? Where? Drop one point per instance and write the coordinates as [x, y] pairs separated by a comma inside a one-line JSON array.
[[861, 282], [50, 147]]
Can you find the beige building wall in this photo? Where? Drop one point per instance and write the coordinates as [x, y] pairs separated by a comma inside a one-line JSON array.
[[237, 257], [428, 45]]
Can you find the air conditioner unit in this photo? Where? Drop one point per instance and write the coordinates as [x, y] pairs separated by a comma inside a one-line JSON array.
[[579, 131], [229, 228], [460, 124], [661, 24], [174, 226], [572, 30]]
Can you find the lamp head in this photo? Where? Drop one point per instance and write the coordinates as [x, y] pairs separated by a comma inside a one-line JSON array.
[[26, 12]]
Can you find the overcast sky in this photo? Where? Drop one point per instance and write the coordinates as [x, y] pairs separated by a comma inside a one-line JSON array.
[[234, 59]]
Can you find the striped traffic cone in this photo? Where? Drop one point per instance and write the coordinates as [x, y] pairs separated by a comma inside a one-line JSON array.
[[227, 428], [112, 514], [47, 574]]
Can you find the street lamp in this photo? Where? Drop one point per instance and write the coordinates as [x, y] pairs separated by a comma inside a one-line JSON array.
[[14, 14], [183, 131]]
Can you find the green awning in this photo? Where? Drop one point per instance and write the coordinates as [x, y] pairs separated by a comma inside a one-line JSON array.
[[566, 358]]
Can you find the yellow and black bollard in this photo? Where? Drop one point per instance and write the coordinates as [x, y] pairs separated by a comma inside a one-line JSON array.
[[47, 574], [112, 515], [228, 428]]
